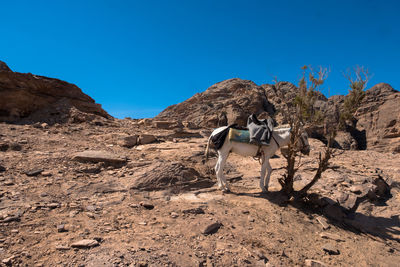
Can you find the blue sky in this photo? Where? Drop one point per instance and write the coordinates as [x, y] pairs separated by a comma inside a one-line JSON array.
[[138, 57]]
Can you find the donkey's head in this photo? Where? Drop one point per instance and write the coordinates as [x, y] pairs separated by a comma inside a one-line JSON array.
[[304, 145]]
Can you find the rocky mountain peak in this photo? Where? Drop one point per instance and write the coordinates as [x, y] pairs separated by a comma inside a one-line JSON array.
[[4, 67]]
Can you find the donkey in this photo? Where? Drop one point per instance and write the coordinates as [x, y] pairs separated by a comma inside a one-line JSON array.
[[280, 137]]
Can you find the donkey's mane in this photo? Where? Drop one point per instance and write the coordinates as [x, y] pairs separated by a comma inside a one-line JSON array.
[[282, 128]]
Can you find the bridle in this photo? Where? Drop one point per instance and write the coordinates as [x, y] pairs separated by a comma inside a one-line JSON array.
[[303, 143]]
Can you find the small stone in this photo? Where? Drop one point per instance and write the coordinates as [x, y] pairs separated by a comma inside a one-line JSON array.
[[194, 211], [47, 174], [314, 263], [331, 236], [357, 189], [174, 215], [147, 205], [2, 168], [90, 215], [85, 243], [34, 172], [91, 208], [330, 249], [53, 205], [62, 247], [15, 147], [212, 228], [382, 188], [323, 222], [8, 261], [61, 228], [8, 182], [4, 146], [72, 213]]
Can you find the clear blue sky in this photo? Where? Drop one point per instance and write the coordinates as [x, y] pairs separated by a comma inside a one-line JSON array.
[[138, 57]]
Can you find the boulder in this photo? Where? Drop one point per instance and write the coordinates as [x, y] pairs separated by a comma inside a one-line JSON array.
[[147, 139], [168, 175], [344, 140], [128, 141]]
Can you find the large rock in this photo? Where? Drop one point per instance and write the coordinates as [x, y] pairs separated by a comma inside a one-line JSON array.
[[24, 94], [168, 175], [226, 102]]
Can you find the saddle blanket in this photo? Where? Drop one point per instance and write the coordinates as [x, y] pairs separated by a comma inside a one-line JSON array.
[[241, 136]]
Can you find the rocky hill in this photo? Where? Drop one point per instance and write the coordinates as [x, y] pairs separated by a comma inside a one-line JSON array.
[[28, 98], [223, 103], [231, 101]]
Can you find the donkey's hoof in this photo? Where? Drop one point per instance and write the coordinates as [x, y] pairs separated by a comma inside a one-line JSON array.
[[226, 190], [264, 189]]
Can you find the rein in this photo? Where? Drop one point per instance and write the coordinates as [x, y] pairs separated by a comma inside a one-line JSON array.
[[272, 135]]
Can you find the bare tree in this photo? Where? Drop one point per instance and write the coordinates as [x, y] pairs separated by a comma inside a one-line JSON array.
[[298, 113]]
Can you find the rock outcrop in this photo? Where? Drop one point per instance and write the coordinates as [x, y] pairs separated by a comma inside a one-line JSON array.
[[379, 117], [226, 102], [32, 98]]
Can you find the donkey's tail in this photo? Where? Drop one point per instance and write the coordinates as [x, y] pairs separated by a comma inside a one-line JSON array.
[[208, 148]]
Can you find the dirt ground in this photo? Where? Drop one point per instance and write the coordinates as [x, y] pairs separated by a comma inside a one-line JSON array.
[[48, 202]]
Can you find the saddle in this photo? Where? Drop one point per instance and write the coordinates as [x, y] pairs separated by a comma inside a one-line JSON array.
[[260, 131], [257, 132]]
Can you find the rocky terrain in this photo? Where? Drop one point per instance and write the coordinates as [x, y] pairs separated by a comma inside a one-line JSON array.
[[79, 188], [81, 195]]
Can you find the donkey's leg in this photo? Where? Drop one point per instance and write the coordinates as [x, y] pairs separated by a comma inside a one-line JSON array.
[[220, 173], [269, 171], [262, 175], [217, 172]]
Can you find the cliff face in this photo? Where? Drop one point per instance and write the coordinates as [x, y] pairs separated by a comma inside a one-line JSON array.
[[28, 97]]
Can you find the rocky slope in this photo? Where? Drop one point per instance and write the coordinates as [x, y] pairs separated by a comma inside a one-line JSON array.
[[26, 98]]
